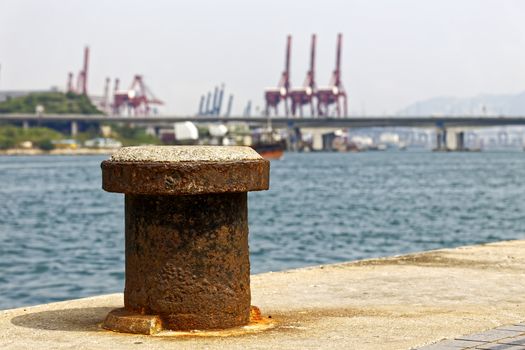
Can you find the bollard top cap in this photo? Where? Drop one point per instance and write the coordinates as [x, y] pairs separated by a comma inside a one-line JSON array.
[[184, 170], [177, 154]]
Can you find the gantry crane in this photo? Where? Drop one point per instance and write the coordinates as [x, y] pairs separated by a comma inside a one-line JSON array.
[[305, 95], [335, 92], [136, 100], [274, 96], [81, 87]]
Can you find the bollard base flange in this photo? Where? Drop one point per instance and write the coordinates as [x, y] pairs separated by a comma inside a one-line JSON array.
[[124, 321]]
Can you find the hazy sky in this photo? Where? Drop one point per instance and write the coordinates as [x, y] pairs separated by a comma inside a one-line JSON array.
[[395, 52]]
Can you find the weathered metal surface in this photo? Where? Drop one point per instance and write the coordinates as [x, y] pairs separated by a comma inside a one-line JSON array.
[[180, 170], [187, 257], [126, 321], [185, 178]]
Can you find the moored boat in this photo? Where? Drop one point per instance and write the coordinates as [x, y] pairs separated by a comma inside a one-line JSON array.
[[270, 151]]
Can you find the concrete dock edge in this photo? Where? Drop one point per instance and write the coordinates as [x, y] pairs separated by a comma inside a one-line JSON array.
[[401, 302]]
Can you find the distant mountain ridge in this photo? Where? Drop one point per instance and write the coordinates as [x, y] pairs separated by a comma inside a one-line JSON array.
[[489, 104]]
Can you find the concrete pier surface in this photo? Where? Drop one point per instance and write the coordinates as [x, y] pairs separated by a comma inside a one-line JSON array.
[[400, 302]]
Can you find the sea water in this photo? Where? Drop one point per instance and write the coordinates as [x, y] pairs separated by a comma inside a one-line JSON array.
[[61, 235]]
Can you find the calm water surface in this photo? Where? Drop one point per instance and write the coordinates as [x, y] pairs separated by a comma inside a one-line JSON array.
[[62, 236]]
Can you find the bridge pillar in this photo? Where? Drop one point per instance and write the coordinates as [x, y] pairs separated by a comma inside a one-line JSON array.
[[74, 128], [294, 139], [450, 139], [297, 139], [317, 141], [503, 138], [328, 141], [460, 141], [25, 125], [441, 139]]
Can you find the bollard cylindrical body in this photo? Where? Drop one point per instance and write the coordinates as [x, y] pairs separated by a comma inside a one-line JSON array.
[[186, 227], [192, 254]]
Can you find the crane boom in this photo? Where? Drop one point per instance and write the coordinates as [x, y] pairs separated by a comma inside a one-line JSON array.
[[311, 72], [85, 70], [338, 59]]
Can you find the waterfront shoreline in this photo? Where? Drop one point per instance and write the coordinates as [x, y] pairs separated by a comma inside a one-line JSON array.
[[56, 152]]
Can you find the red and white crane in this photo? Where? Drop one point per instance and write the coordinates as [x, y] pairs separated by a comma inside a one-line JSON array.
[[335, 91], [137, 100], [82, 77], [305, 95], [274, 96]]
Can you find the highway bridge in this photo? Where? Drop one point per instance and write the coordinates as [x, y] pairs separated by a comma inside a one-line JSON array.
[[304, 122]]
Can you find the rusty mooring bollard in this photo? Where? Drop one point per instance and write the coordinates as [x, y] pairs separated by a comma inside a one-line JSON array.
[[187, 260]]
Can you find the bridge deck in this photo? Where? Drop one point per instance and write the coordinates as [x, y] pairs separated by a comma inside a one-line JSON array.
[[346, 122]]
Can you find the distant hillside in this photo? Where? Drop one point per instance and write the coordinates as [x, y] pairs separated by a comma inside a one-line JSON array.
[[477, 105], [53, 102]]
